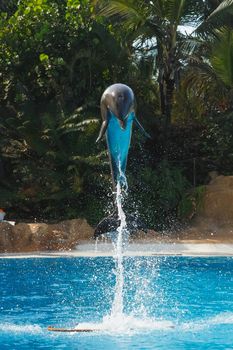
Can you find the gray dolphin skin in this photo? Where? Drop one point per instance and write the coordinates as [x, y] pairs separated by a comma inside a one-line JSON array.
[[118, 113], [118, 99]]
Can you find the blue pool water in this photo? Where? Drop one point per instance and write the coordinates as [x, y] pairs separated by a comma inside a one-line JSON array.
[[169, 303]]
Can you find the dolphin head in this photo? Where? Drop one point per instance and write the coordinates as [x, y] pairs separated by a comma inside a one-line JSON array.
[[118, 99], [122, 103], [121, 108]]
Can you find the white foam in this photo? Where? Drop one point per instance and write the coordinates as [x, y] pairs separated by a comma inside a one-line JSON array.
[[223, 318], [125, 324], [220, 319], [15, 328]]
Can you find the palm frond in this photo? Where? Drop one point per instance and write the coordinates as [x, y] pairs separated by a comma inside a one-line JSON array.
[[127, 10], [221, 16], [202, 78], [159, 8], [191, 45], [69, 127], [175, 10], [225, 7], [222, 58], [90, 160], [195, 45]]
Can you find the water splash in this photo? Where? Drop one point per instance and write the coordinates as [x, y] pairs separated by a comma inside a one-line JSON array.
[[117, 308], [127, 324], [96, 244]]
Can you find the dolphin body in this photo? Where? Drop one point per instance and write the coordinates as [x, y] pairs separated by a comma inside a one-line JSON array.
[[118, 113]]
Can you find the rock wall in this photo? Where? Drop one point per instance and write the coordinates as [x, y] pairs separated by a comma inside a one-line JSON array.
[[41, 237], [214, 219], [218, 201]]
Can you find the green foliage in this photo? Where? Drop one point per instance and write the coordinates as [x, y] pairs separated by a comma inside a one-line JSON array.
[[191, 202], [220, 16], [157, 193], [207, 84], [52, 75], [217, 141], [222, 57]]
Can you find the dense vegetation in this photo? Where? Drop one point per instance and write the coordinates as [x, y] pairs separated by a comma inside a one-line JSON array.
[[56, 59]]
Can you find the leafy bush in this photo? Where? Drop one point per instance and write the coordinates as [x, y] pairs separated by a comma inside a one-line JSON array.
[[217, 141], [157, 193], [191, 202], [56, 58]]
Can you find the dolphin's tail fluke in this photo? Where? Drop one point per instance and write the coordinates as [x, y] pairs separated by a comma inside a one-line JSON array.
[[110, 224]]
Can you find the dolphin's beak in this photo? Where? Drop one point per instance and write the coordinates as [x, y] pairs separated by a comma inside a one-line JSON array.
[[122, 123]]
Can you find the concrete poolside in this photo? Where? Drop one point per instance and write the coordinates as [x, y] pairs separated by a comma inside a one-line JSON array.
[[188, 248]]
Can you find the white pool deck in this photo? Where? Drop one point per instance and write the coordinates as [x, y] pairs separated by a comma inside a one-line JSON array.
[[135, 249]]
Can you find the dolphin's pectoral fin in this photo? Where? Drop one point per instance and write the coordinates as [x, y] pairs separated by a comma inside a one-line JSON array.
[[104, 114], [141, 128], [102, 130]]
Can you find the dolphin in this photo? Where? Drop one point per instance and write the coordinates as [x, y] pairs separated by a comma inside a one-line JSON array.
[[118, 113], [118, 107]]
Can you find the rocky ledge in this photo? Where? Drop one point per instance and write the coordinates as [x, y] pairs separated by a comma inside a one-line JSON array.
[[214, 217], [42, 237]]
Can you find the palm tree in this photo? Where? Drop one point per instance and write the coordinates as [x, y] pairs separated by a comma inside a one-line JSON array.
[[210, 77], [158, 21], [209, 71]]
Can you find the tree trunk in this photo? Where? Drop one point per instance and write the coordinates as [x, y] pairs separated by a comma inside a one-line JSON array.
[[166, 60], [169, 90], [166, 96]]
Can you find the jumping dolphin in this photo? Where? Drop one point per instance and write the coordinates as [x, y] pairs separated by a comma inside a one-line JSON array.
[[118, 113]]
